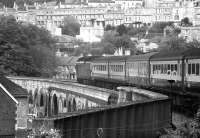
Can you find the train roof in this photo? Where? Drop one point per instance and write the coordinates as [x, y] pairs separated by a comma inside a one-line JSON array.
[[167, 55], [192, 53], [176, 55], [141, 57], [87, 58], [111, 58]]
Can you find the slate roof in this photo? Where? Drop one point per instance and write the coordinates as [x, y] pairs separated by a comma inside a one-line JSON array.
[[8, 94], [192, 53], [141, 57], [67, 61], [112, 58], [168, 55], [175, 55], [87, 58], [14, 89]]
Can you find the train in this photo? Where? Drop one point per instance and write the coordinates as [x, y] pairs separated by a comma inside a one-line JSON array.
[[177, 70]]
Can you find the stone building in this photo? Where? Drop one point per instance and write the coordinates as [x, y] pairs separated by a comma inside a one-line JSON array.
[[21, 97], [8, 107], [65, 45], [66, 68], [190, 33]]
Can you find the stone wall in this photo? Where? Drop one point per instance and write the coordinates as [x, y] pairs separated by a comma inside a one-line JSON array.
[[22, 112], [7, 115]]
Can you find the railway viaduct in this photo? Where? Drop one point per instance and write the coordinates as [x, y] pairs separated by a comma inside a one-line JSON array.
[[48, 98], [64, 106]]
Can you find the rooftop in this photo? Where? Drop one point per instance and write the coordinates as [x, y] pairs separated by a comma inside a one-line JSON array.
[[14, 89], [70, 61]]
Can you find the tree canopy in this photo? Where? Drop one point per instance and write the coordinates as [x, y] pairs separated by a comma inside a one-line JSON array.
[[71, 26], [25, 49]]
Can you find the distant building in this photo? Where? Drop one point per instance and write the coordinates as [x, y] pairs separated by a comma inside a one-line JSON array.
[[145, 46], [65, 45], [101, 3], [126, 4], [21, 95], [190, 33], [91, 34], [8, 107], [122, 52], [137, 16], [66, 68]]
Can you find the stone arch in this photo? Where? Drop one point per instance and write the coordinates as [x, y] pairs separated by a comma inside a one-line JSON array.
[[36, 97], [69, 106], [54, 105], [60, 104], [65, 103], [42, 100], [30, 97], [74, 104]]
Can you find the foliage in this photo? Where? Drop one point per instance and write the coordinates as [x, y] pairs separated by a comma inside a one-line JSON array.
[[159, 27], [71, 26], [43, 133], [172, 43], [25, 49], [172, 31], [109, 43], [121, 29], [186, 22], [190, 129], [137, 32], [109, 27], [194, 43]]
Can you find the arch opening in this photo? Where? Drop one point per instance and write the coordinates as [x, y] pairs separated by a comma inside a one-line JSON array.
[[55, 105]]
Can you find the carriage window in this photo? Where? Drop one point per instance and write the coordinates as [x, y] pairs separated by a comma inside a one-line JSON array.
[[172, 67], [189, 68], [168, 67], [165, 68], [153, 69], [158, 67], [162, 69], [193, 68], [197, 69], [175, 67]]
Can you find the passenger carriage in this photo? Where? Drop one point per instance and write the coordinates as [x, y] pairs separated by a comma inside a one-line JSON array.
[[117, 68], [192, 69], [138, 69], [166, 69], [100, 68], [110, 68]]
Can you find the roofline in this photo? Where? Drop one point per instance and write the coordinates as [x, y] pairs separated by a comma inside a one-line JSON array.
[[13, 98]]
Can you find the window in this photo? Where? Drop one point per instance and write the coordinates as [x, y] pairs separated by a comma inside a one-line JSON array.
[[189, 69], [172, 67], [162, 69], [165, 68], [154, 68], [168, 67], [197, 69], [175, 67], [193, 68]]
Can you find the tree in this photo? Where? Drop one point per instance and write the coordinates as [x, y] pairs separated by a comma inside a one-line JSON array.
[[121, 29], [71, 26], [172, 31], [186, 22], [109, 27], [159, 27], [25, 49], [172, 43], [137, 32]]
